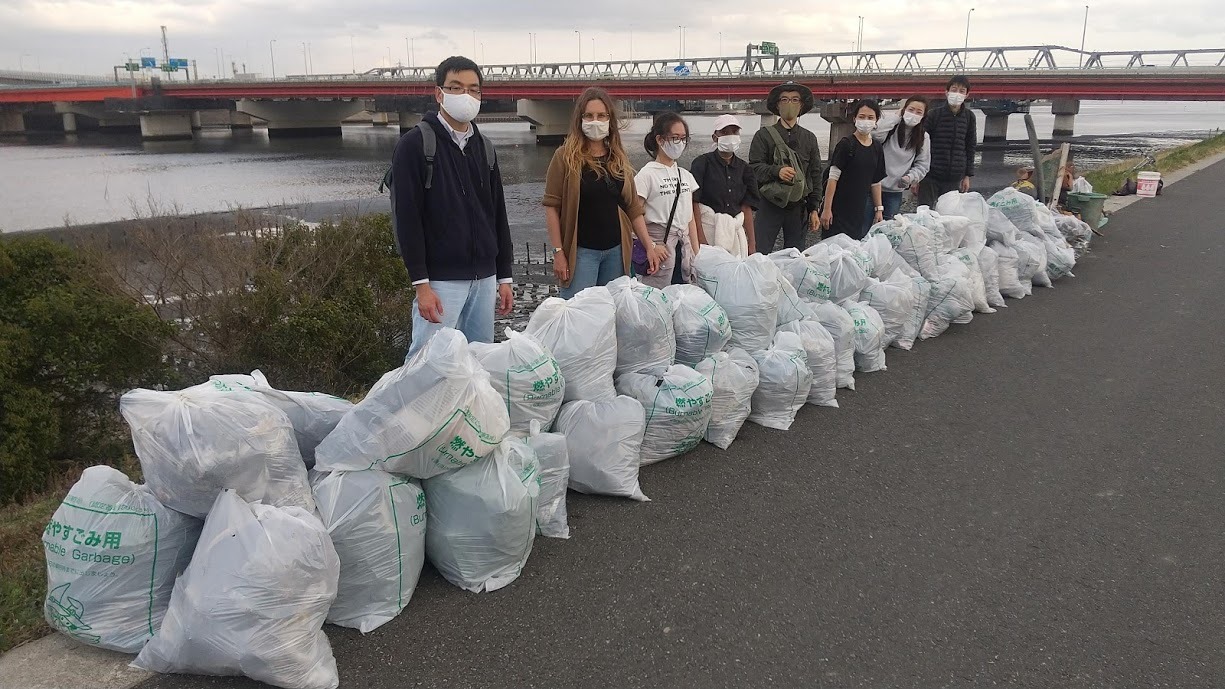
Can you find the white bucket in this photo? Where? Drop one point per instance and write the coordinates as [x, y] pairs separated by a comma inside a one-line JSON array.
[[1146, 183]]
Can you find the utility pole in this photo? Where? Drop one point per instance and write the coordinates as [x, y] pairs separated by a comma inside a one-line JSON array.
[[1083, 32], [968, 27], [352, 55], [272, 56], [580, 44], [165, 47]]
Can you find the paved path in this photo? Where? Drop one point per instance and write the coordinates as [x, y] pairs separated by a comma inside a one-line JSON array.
[[1033, 499]]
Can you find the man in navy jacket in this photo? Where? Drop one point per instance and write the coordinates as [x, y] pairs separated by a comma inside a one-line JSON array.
[[454, 237]]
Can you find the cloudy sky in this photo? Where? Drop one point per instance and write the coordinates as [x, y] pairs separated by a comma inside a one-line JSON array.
[[89, 36]]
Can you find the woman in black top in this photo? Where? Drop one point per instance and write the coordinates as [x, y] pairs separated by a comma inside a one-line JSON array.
[[856, 169]]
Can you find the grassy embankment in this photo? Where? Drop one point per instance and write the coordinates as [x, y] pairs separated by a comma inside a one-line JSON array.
[[1106, 179]]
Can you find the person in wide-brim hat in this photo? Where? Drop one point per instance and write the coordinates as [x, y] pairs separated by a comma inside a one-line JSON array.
[[806, 99]]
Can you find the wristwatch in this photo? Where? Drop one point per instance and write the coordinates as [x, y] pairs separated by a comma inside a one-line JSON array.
[[879, 208], [556, 250]]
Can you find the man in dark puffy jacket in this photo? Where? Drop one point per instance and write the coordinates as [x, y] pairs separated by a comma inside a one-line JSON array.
[[954, 137]]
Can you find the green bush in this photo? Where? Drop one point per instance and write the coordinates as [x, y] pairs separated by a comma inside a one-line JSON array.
[[69, 345]]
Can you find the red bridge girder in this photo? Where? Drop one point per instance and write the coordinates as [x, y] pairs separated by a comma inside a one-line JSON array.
[[1087, 86]]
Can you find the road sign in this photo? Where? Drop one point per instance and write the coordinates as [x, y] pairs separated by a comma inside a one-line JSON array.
[[132, 66], [769, 48], [178, 63], [148, 62], [681, 70]]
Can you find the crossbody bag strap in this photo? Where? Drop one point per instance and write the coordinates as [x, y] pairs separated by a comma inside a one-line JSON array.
[[675, 202]]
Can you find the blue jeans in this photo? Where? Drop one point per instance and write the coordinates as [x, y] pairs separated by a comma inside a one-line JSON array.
[[467, 306], [891, 200], [593, 268]]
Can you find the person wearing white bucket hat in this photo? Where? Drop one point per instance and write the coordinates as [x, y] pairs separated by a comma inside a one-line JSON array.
[[726, 186]]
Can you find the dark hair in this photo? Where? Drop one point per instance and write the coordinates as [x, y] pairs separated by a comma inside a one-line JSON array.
[[865, 103], [663, 122], [916, 133], [456, 63], [959, 80]]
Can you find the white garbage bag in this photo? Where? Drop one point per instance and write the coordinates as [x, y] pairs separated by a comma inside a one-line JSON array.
[[790, 306], [925, 216], [885, 261], [1076, 232], [841, 327], [1060, 258], [975, 209], [435, 413], [725, 231], [952, 266], [1020, 209], [581, 333], [988, 262], [784, 381], [113, 552], [747, 289], [1000, 228], [482, 518], [921, 291], [377, 522], [733, 377], [526, 376], [554, 459], [869, 337], [645, 335], [895, 304], [977, 282], [913, 242], [676, 402], [700, 324], [1011, 284], [847, 276], [313, 414], [194, 443], [253, 600], [951, 299], [810, 278], [822, 358], [604, 440], [1031, 260]]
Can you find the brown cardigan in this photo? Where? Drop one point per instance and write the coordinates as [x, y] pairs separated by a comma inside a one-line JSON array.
[[561, 191]]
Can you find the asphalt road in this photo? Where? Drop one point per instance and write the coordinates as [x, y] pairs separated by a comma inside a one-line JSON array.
[[1033, 499]]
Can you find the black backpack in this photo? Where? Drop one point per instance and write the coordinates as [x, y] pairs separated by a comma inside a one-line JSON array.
[[429, 144]]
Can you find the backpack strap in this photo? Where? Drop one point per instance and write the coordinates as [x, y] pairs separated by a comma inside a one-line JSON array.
[[429, 144]]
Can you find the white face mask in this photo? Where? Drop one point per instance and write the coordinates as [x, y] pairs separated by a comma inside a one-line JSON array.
[[865, 126], [911, 119], [956, 98], [461, 106], [673, 149], [595, 130], [729, 143]]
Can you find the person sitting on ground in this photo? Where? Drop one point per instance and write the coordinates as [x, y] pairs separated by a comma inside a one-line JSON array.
[[1024, 183], [453, 233], [726, 183]]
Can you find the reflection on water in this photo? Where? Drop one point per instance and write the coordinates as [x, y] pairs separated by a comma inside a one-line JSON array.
[[97, 178]]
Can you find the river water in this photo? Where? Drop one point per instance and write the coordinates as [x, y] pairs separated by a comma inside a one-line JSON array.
[[93, 178]]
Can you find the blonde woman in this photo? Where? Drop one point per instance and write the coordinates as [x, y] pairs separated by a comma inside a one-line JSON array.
[[592, 208]]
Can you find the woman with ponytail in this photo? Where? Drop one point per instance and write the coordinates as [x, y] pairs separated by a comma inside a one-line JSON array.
[[592, 208], [667, 189]]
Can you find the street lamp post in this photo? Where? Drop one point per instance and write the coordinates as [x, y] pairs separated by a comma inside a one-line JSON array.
[[968, 27], [352, 55], [305, 65], [580, 44], [272, 57], [1083, 32]]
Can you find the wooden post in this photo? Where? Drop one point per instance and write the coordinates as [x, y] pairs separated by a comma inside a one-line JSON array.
[[1063, 163]]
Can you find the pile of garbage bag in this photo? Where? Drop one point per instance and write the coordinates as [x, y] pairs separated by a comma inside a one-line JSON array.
[[700, 324]]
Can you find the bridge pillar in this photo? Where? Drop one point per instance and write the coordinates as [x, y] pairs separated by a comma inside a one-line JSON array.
[[767, 118], [408, 120], [12, 123], [70, 123], [551, 117], [239, 120], [379, 119], [210, 119], [165, 126], [302, 118], [997, 126], [841, 122], [1065, 111]]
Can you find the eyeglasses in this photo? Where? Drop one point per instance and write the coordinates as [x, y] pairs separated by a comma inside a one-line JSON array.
[[475, 91], [790, 100], [592, 117], [674, 139]]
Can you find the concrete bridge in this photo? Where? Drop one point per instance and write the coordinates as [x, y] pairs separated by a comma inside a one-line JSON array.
[[1006, 81]]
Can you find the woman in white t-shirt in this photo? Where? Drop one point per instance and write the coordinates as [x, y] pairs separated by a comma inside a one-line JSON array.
[[658, 183]]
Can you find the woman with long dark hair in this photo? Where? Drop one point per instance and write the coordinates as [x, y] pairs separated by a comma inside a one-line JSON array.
[[908, 156], [856, 169], [591, 205], [667, 189]]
